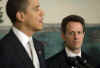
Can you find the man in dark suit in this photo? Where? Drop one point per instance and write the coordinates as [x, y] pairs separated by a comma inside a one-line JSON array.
[[73, 31], [18, 49]]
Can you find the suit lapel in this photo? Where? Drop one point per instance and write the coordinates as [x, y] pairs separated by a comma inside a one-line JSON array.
[[19, 49], [38, 46], [21, 53]]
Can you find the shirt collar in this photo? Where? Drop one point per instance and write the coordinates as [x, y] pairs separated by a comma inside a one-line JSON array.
[[21, 36], [70, 53]]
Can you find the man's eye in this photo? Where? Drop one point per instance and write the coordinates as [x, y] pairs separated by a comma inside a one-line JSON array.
[[71, 33], [36, 9], [80, 32]]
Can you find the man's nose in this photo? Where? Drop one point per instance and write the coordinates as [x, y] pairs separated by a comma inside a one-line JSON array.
[[41, 12], [75, 36]]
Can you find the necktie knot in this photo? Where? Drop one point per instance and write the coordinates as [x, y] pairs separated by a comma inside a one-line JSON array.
[[74, 61]]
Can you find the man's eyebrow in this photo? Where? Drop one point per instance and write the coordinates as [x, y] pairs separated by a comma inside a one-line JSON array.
[[37, 6]]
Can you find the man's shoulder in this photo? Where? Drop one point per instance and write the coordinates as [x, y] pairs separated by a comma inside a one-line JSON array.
[[86, 56], [5, 38], [57, 60], [56, 57], [8, 38]]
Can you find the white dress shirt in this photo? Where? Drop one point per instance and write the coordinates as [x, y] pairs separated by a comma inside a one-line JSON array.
[[24, 39], [70, 53]]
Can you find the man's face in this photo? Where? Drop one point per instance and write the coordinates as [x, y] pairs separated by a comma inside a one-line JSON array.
[[33, 16], [74, 35]]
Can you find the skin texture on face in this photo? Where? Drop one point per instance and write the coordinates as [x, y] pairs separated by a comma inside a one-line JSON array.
[[31, 19], [74, 36], [34, 16]]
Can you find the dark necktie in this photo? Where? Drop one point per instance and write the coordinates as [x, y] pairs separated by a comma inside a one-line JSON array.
[[72, 61], [78, 62]]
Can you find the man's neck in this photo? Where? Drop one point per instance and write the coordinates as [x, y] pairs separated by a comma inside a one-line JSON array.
[[72, 53], [75, 50], [25, 30]]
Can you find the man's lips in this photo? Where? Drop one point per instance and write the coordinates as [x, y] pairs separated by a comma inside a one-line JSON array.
[[41, 20]]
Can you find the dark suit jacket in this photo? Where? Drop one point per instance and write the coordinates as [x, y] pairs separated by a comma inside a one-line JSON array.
[[61, 60], [13, 54]]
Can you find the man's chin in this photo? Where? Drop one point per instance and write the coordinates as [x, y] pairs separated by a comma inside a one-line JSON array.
[[39, 29], [76, 48]]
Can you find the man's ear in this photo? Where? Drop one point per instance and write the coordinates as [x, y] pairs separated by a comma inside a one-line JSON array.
[[84, 34], [20, 16], [63, 36]]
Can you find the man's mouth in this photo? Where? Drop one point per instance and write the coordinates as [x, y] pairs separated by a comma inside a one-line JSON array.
[[41, 21]]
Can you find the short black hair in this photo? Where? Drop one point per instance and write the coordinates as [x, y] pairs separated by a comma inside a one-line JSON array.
[[70, 18], [13, 6]]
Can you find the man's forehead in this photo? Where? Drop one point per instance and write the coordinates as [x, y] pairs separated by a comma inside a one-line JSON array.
[[74, 26], [33, 2]]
